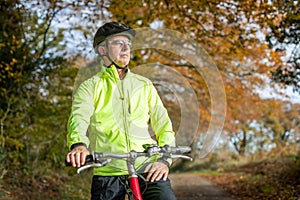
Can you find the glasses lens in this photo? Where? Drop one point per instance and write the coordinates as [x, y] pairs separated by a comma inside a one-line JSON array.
[[121, 43]]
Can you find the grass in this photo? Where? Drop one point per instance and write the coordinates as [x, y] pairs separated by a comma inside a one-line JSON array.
[[272, 178], [55, 184]]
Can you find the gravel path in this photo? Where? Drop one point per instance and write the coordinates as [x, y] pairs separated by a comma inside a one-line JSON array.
[[193, 187]]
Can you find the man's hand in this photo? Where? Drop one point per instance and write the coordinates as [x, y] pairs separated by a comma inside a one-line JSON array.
[[157, 171], [77, 156]]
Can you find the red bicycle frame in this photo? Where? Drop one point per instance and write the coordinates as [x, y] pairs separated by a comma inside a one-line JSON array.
[[133, 177], [135, 187]]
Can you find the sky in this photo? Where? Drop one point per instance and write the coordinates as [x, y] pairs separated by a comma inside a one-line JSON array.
[[272, 90]]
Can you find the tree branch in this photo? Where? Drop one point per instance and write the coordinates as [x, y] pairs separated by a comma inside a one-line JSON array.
[[2, 123]]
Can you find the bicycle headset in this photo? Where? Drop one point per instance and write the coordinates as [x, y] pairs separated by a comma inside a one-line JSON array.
[[109, 29]]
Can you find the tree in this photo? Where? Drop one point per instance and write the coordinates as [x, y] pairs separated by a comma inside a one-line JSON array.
[[37, 70], [237, 37], [30, 75], [283, 19], [14, 61]]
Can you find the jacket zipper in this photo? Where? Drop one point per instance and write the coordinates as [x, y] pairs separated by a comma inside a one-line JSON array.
[[120, 86], [125, 110]]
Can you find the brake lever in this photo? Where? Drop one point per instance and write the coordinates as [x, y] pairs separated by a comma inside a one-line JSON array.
[[182, 156], [80, 169]]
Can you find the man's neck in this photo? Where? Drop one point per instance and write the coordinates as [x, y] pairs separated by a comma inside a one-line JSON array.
[[122, 73]]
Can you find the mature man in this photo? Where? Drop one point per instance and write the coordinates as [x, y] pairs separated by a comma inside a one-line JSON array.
[[111, 112]]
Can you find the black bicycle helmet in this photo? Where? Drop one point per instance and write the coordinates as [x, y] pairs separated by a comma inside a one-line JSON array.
[[110, 29]]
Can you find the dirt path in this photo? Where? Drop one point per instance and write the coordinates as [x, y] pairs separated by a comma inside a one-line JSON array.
[[193, 187]]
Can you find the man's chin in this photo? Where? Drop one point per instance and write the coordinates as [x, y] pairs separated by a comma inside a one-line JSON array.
[[122, 64]]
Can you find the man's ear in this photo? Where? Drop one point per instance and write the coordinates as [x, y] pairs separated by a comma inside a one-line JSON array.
[[101, 50]]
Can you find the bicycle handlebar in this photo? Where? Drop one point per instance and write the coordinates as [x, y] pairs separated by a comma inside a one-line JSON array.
[[100, 159], [178, 149]]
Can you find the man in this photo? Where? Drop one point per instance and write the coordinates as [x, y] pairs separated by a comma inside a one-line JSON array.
[[111, 112]]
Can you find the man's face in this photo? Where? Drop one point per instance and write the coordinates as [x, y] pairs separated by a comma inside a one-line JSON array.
[[119, 50]]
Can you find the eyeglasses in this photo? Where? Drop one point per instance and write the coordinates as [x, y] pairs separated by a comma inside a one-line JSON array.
[[121, 43]]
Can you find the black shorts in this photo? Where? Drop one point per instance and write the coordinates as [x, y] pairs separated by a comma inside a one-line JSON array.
[[116, 187]]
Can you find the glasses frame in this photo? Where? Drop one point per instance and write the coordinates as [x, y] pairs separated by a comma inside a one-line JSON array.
[[120, 43]]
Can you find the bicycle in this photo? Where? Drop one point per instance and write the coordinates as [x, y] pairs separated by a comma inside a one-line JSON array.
[[99, 159]]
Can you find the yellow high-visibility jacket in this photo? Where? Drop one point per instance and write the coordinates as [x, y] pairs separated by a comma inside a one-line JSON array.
[[113, 115]]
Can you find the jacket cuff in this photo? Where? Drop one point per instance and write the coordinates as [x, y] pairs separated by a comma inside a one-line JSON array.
[[164, 161], [77, 145]]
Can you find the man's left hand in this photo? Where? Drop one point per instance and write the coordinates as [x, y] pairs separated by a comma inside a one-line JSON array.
[[157, 171]]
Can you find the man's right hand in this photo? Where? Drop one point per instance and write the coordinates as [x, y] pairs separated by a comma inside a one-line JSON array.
[[77, 156]]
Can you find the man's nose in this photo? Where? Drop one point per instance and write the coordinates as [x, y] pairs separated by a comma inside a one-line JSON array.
[[125, 47]]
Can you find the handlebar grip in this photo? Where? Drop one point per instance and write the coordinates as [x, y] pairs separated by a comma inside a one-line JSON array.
[[181, 150], [67, 164], [89, 158]]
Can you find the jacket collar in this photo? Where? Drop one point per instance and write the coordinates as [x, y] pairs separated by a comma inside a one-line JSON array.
[[113, 72]]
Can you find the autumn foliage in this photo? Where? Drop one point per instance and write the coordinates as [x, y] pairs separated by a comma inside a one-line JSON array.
[[253, 45]]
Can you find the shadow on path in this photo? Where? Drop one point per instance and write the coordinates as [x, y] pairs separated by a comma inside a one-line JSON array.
[[193, 187]]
